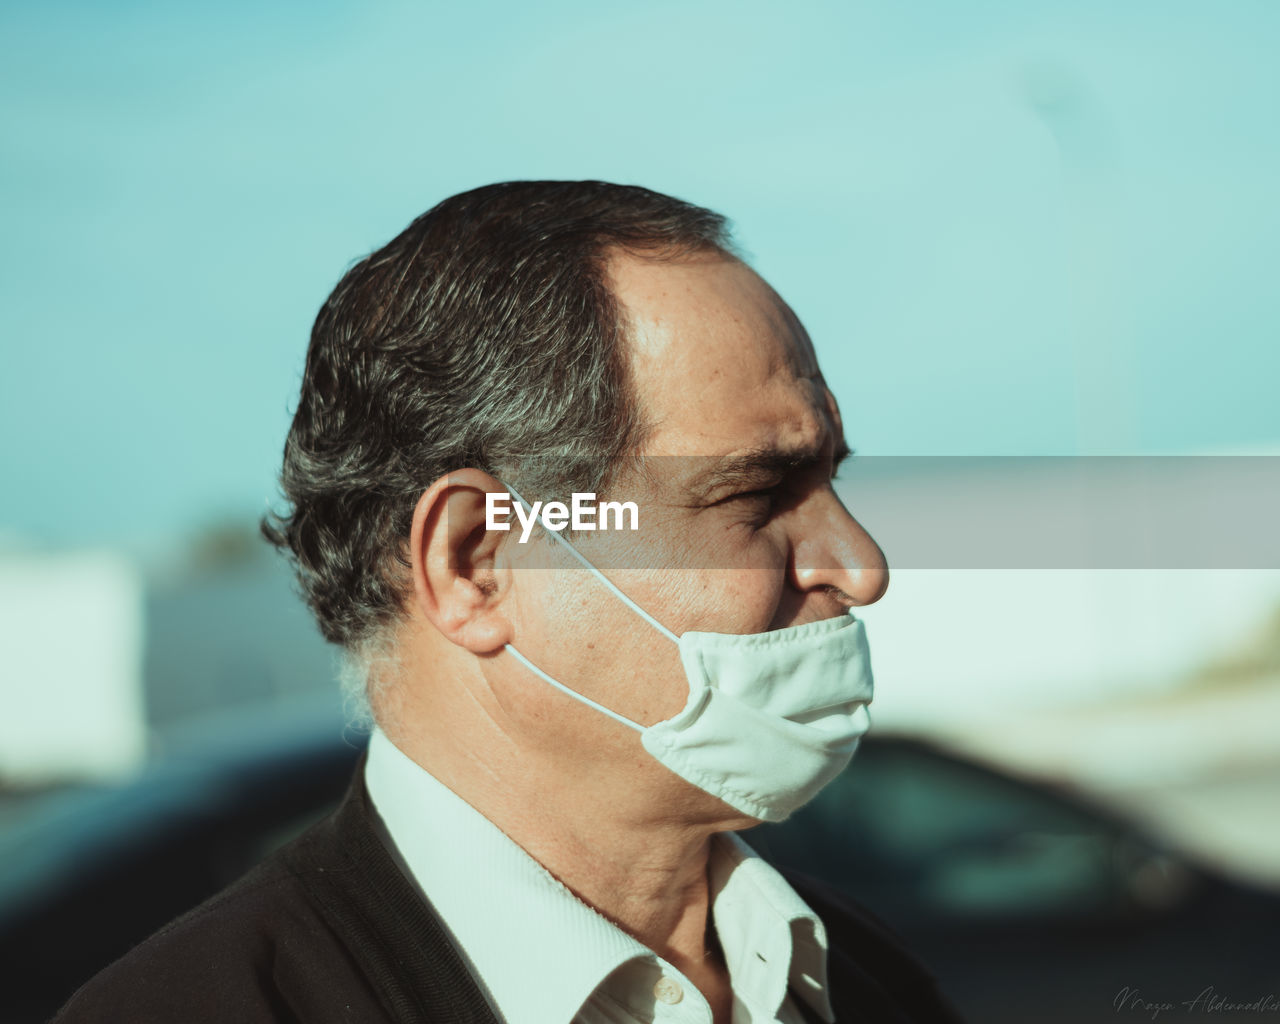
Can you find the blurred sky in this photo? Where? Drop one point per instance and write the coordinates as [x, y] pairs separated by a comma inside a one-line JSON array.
[[1011, 228]]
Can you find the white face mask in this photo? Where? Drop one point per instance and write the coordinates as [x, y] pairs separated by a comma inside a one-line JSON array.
[[771, 717]]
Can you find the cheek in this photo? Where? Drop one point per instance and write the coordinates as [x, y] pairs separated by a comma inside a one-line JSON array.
[[710, 573], [732, 537], [595, 644], [713, 579], [719, 600]]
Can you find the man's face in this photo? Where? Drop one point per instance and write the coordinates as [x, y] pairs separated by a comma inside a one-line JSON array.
[[741, 530]]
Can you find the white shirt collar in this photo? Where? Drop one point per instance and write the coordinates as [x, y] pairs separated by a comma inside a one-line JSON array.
[[540, 951]]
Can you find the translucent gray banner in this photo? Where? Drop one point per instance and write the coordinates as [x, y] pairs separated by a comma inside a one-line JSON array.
[[1104, 512]]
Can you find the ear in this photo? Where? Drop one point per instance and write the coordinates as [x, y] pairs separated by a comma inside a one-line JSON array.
[[455, 581]]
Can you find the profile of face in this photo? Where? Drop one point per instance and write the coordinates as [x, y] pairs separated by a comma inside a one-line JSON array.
[[742, 530]]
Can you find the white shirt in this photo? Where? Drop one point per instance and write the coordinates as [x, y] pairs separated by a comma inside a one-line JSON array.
[[545, 957]]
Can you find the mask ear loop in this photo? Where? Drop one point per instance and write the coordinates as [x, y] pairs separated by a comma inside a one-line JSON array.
[[573, 693], [618, 593], [598, 574]]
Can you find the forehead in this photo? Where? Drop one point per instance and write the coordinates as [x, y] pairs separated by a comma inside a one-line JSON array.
[[719, 362]]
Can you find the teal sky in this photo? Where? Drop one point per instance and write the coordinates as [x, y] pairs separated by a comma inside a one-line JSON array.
[[1011, 228]]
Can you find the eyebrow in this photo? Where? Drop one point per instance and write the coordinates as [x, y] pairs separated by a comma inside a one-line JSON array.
[[760, 464]]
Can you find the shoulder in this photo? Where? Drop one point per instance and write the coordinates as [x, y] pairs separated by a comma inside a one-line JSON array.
[[870, 967], [260, 951]]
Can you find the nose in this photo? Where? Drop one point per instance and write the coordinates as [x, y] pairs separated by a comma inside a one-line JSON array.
[[832, 553]]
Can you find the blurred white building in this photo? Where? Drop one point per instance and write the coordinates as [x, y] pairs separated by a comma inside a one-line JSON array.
[[102, 655], [71, 680]]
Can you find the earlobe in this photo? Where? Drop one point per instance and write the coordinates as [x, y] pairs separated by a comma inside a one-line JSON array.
[[453, 555]]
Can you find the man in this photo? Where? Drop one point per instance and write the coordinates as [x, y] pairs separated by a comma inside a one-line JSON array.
[[572, 724]]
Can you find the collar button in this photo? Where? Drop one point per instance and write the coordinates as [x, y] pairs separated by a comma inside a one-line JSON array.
[[668, 990]]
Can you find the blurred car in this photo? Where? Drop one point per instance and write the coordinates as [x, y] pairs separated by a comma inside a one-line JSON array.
[[89, 871], [1027, 903]]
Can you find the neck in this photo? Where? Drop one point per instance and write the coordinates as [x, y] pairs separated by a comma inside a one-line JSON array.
[[598, 834], [648, 877]]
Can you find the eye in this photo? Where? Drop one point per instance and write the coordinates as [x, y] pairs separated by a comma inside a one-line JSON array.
[[761, 503]]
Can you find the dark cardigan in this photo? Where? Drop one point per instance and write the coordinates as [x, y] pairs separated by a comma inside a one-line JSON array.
[[328, 929]]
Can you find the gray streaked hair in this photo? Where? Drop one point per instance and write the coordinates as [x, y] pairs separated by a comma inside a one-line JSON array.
[[368, 671], [484, 335]]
